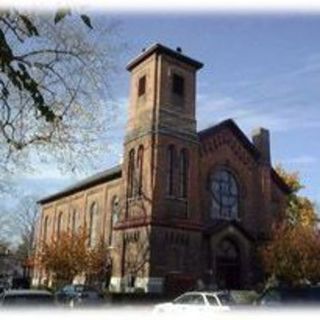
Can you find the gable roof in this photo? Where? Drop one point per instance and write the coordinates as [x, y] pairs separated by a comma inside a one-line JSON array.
[[247, 144], [230, 124], [220, 225], [100, 177]]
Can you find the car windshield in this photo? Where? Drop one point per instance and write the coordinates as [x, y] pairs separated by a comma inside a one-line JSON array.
[[79, 288], [194, 299]]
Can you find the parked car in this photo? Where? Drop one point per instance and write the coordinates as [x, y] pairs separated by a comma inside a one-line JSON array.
[[197, 301], [299, 296], [79, 295], [4, 285], [27, 298]]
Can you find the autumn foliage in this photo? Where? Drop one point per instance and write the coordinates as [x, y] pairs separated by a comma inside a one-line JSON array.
[[69, 256], [293, 254], [300, 210]]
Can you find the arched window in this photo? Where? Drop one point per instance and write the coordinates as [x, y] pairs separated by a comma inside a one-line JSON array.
[[59, 224], [131, 171], [93, 224], [184, 173], [115, 211], [224, 195], [74, 222], [170, 169], [45, 228], [140, 170]]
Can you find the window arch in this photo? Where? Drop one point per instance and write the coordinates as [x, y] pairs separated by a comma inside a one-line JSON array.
[[115, 212], [184, 173], [131, 172], [224, 195], [59, 224], [140, 170], [170, 169], [93, 224]]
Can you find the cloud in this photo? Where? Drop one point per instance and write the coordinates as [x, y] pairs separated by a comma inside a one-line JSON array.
[[246, 115], [282, 102]]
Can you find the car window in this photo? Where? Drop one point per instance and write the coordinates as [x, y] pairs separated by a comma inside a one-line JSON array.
[[184, 299], [27, 299], [212, 300], [197, 299], [68, 289], [225, 299]]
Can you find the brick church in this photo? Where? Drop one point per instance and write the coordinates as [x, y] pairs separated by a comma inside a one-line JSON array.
[[185, 204]]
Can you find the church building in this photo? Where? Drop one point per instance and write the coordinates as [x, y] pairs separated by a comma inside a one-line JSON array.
[[184, 204]]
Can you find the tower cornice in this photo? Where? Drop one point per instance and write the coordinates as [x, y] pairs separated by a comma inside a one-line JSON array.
[[159, 48]]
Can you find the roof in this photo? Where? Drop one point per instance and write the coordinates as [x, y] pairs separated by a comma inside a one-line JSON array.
[[159, 48], [247, 144], [281, 183], [27, 292], [103, 176]]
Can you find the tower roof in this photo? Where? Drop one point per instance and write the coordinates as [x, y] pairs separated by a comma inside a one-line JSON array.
[[159, 48]]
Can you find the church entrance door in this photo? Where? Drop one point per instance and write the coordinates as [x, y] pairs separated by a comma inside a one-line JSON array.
[[228, 265]]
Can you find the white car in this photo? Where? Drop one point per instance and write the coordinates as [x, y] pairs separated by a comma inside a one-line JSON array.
[[197, 302]]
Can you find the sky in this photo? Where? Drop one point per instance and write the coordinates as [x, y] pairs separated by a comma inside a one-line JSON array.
[[262, 70]]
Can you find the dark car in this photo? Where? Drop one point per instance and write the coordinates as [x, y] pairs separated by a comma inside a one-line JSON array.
[[282, 296], [79, 295], [4, 285], [27, 298]]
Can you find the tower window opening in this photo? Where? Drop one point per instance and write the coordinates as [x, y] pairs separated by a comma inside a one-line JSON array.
[[142, 86], [178, 85]]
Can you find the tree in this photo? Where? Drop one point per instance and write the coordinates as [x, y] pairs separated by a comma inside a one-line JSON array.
[[69, 256], [300, 210], [55, 96], [26, 218], [5, 228], [293, 254]]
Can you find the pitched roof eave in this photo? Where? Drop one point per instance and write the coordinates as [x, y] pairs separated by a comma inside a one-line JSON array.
[[104, 176]]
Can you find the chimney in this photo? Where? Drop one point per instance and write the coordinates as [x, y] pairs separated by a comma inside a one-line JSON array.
[[261, 140]]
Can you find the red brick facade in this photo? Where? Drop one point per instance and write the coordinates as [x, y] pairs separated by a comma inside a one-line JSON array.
[[184, 205]]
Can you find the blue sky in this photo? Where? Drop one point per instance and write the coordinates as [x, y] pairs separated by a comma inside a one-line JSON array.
[[261, 70]]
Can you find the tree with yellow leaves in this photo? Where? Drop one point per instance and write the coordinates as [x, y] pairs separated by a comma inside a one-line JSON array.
[[300, 210], [293, 254], [69, 256]]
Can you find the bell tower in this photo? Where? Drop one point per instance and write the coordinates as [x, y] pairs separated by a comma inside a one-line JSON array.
[[162, 92], [161, 115], [160, 160]]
